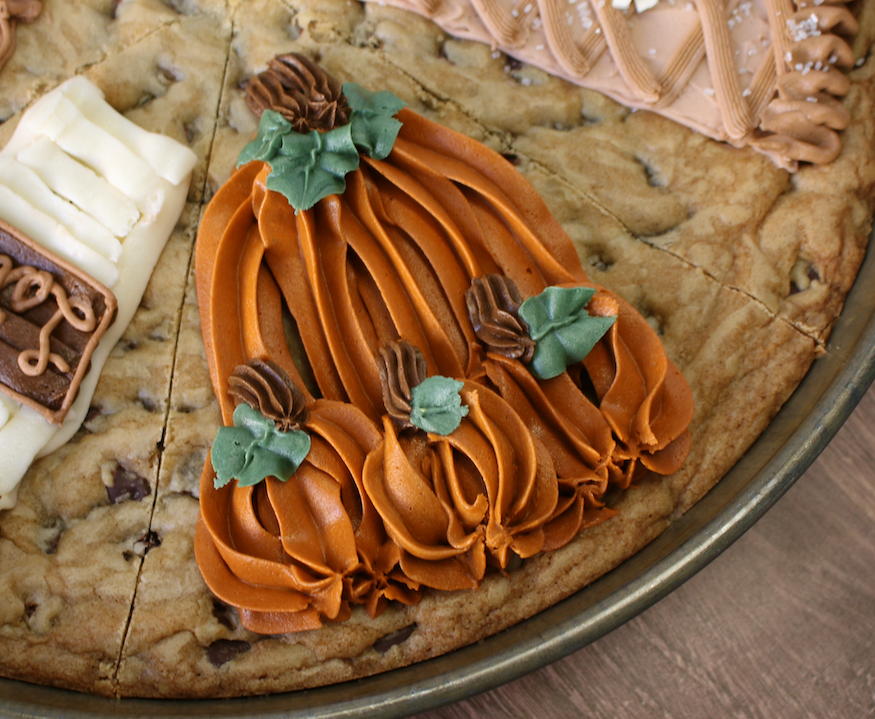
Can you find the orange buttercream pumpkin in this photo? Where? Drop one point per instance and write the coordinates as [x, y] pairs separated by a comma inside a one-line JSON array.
[[375, 512]]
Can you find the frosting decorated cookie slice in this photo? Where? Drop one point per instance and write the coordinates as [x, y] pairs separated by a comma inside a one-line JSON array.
[[763, 73], [395, 225], [92, 187]]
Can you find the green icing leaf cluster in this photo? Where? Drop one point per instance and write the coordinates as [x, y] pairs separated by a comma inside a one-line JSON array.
[[308, 168], [254, 449], [436, 405], [564, 332]]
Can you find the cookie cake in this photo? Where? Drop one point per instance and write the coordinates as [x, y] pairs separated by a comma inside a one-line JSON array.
[[716, 230]]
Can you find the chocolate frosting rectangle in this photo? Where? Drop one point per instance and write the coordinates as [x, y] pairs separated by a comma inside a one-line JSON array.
[[47, 334]]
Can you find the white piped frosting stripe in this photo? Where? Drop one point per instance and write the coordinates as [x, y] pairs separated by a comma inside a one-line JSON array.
[[104, 194], [80, 185]]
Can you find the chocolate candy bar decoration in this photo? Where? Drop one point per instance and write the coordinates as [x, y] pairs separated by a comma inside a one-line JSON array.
[[52, 316]]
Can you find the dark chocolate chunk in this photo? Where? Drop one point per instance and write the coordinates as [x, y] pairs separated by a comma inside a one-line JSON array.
[[145, 541], [384, 644], [127, 485], [224, 614], [224, 650]]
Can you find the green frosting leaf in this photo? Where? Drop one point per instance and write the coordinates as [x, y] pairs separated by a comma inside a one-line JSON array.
[[564, 332], [310, 167], [374, 128], [254, 449], [271, 130], [436, 405]]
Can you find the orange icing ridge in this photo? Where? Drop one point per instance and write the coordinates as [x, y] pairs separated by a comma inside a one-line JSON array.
[[764, 73], [376, 280]]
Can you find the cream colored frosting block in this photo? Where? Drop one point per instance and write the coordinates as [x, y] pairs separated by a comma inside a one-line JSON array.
[[94, 188]]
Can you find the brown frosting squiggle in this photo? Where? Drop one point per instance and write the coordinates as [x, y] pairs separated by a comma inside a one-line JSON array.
[[51, 318], [389, 263]]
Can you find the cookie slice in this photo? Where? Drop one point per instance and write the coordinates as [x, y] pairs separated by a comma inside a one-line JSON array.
[[68, 38], [672, 187]]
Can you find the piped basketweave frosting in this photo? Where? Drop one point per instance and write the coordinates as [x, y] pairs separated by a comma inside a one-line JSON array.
[[764, 73]]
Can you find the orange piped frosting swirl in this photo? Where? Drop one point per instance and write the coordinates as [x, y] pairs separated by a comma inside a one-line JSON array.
[[380, 281]]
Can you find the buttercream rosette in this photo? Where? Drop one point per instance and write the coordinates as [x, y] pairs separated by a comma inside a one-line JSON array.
[[390, 250]]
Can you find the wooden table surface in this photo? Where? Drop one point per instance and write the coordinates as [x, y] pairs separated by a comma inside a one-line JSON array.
[[781, 625]]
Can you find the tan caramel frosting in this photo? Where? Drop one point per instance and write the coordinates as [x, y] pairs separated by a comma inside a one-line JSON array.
[[765, 73], [369, 275]]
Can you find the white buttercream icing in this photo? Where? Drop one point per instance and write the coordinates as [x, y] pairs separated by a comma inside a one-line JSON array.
[[86, 183]]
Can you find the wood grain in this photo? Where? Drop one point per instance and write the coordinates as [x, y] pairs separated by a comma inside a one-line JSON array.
[[781, 625]]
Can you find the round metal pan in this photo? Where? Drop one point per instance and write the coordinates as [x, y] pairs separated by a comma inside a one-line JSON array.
[[793, 440]]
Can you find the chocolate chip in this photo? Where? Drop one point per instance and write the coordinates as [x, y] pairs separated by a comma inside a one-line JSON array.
[[149, 404], [127, 485], [384, 644], [50, 535], [224, 614], [145, 541], [224, 650]]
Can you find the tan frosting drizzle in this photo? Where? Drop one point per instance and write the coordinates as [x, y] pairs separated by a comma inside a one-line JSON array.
[[402, 367], [570, 57], [768, 112], [718, 47], [32, 287], [631, 65], [394, 257]]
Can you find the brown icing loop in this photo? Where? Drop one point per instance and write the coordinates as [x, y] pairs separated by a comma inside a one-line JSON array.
[[265, 386], [10, 12], [32, 288], [493, 305], [301, 91], [34, 362], [401, 367]]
